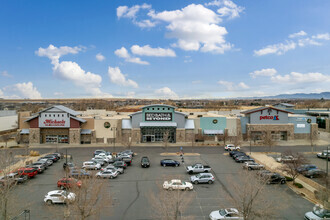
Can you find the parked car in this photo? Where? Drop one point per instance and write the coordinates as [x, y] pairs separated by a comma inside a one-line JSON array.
[[306, 167], [239, 154], [177, 184], [145, 162], [120, 164], [107, 158], [198, 168], [129, 152], [230, 147], [46, 161], [51, 157], [91, 165], [229, 213], [79, 173], [202, 178], [324, 154], [29, 172], [318, 213], [286, 159], [17, 178], [98, 152], [59, 196], [253, 166], [233, 152], [314, 173], [272, 178], [99, 161], [39, 168], [58, 155], [262, 173], [44, 165], [107, 174], [111, 167], [169, 162], [66, 183], [69, 166], [126, 158], [242, 159]]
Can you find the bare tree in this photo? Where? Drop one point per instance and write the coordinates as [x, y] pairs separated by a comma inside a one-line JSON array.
[[269, 141], [90, 198], [251, 197], [225, 137], [5, 138], [170, 205], [166, 136], [291, 167], [6, 185]]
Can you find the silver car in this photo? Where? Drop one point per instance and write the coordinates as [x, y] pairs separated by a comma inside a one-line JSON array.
[[202, 178], [253, 166], [111, 167], [107, 174]]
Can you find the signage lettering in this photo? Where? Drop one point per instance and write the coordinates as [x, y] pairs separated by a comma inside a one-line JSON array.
[[51, 122], [268, 117], [158, 116]]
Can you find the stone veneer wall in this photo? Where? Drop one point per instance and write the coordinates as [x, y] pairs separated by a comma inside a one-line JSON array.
[[180, 135], [239, 129], [267, 129], [34, 136], [74, 136], [136, 135]]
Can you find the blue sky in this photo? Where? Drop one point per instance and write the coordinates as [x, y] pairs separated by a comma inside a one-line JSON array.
[[163, 49]]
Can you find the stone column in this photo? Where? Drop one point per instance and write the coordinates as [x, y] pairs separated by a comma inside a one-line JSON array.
[[314, 131], [34, 136], [180, 135], [136, 135], [74, 135]]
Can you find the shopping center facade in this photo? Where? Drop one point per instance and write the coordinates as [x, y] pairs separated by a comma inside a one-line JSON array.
[[161, 123]]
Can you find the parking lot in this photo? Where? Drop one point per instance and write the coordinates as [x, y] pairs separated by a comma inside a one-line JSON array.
[[130, 191]]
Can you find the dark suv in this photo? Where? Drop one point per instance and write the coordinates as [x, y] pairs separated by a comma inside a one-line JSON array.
[[145, 162], [273, 178]]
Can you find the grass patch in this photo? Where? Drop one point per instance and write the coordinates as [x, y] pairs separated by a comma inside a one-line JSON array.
[[288, 179], [298, 185]]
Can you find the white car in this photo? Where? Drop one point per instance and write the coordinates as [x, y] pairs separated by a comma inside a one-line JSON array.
[[230, 147], [177, 184], [230, 213], [112, 167], [91, 165], [107, 174], [59, 196], [103, 155]]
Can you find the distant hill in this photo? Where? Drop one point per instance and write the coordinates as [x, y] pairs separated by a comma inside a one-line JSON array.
[[325, 95]]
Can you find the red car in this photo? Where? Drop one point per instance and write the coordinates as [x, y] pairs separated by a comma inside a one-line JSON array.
[[29, 172], [65, 183]]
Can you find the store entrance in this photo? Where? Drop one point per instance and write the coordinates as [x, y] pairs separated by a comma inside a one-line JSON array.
[[158, 134]]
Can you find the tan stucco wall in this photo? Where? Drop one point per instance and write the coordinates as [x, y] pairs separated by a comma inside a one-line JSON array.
[[102, 132], [89, 123], [232, 126], [22, 116]]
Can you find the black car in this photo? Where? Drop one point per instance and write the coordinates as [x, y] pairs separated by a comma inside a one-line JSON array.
[[233, 152], [244, 159], [145, 162], [273, 178], [239, 155], [120, 164], [314, 173], [51, 157], [169, 162], [306, 167]]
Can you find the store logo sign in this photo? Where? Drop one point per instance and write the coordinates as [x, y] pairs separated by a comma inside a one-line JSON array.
[[158, 116], [51, 122], [268, 117]]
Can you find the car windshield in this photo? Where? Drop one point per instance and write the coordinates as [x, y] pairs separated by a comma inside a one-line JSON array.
[[198, 175], [222, 212], [320, 212], [145, 160], [183, 183]]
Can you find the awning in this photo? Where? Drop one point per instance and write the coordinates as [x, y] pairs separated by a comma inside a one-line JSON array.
[[158, 124], [189, 124], [213, 131], [85, 131], [25, 131]]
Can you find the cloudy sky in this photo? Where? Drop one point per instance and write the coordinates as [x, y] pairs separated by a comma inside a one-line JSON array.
[[163, 49]]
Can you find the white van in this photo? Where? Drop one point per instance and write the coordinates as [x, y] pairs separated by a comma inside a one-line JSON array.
[[91, 165]]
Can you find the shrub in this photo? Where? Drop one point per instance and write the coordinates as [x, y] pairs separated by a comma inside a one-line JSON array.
[[298, 185], [34, 153], [288, 179]]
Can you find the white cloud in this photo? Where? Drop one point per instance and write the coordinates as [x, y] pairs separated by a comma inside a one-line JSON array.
[[298, 34], [196, 28], [263, 72], [166, 92], [301, 78], [100, 57], [278, 49], [54, 53], [228, 8], [325, 36], [282, 48], [71, 71], [118, 78], [149, 51], [230, 86], [126, 12], [5, 74], [23, 90], [123, 53]]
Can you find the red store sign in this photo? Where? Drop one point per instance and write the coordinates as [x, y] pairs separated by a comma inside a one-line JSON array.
[[51, 122]]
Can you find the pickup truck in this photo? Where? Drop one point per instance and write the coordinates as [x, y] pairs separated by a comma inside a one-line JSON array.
[[198, 168]]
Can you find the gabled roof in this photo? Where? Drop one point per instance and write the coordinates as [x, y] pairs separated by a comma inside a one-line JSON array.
[[162, 105], [78, 119], [263, 108], [61, 107]]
